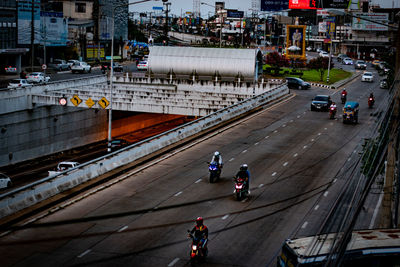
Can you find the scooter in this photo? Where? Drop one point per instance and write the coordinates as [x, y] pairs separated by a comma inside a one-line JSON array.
[[332, 113], [240, 189], [215, 171], [198, 253], [371, 102], [343, 98]]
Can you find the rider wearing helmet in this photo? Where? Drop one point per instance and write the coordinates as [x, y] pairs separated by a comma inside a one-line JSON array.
[[200, 232], [244, 174], [217, 158], [344, 92]]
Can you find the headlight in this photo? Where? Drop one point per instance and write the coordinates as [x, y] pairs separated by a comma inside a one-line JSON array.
[[194, 247]]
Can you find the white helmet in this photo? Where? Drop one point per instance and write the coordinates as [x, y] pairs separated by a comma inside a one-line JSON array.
[[216, 153], [244, 167]]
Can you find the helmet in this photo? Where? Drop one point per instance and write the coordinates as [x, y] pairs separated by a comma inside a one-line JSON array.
[[243, 167], [199, 221], [216, 153]]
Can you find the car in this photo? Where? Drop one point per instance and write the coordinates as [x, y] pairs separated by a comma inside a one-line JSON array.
[[15, 83], [37, 77], [319, 50], [340, 57], [309, 48], [375, 63], [118, 144], [384, 84], [297, 83], [106, 66], [347, 61], [5, 181], [10, 70], [323, 54], [142, 65], [71, 62], [81, 67], [63, 166], [60, 65], [321, 102], [360, 64], [367, 77], [383, 67]]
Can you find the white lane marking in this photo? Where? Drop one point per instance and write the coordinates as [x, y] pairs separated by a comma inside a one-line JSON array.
[[298, 117], [226, 216], [326, 193], [275, 131], [316, 207], [122, 229], [172, 263], [348, 159], [256, 144], [355, 151], [232, 159], [304, 225], [177, 194], [325, 129], [312, 140], [267, 137], [244, 151], [283, 126], [335, 180], [244, 200], [304, 112], [295, 155], [291, 121], [84, 253], [261, 185], [319, 133], [304, 147], [274, 174], [198, 181], [377, 207], [285, 164]]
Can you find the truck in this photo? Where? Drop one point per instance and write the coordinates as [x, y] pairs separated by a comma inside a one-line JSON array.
[[63, 166]]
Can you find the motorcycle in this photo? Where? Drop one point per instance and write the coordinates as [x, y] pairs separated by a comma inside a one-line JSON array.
[[343, 98], [371, 102], [332, 113], [240, 188], [198, 252], [215, 171]]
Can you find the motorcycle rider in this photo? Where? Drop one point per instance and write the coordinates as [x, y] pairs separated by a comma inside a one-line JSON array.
[[217, 158], [244, 174], [333, 106], [344, 92], [343, 95], [371, 98], [200, 232]]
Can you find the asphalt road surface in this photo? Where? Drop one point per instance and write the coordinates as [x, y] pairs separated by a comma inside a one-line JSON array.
[[298, 161]]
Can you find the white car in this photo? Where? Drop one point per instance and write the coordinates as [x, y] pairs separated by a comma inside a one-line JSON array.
[[324, 54], [142, 65], [72, 62], [37, 77], [15, 83], [10, 70], [367, 77], [81, 67], [347, 61], [5, 181]]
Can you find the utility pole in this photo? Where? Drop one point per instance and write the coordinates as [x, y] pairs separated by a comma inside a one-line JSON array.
[[32, 34], [166, 4]]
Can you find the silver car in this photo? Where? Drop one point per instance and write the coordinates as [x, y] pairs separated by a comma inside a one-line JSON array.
[[5, 181]]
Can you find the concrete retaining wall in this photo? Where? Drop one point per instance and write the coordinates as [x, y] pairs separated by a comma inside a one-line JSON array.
[[24, 197]]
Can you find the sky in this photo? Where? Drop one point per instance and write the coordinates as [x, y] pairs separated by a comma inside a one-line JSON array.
[[179, 7]]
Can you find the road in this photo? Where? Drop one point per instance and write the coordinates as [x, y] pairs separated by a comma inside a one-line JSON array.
[[298, 161]]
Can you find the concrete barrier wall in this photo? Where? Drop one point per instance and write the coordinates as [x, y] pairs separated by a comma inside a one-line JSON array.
[[24, 197]]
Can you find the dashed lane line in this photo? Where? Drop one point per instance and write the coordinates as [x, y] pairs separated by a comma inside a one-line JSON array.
[[326, 193], [316, 207], [123, 229], [198, 181], [84, 253], [274, 174], [285, 164], [177, 194], [304, 225], [226, 216], [172, 263]]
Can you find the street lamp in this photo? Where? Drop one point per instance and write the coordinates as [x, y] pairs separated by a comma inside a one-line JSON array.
[[220, 22], [112, 66]]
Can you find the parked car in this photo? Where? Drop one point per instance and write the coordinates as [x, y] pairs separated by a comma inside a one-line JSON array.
[[71, 62], [15, 83], [360, 64], [106, 66], [347, 61], [118, 144], [324, 54], [5, 181], [142, 65], [321, 102], [37, 77], [384, 84], [297, 83], [10, 70], [63, 166], [340, 57], [367, 77], [59, 64], [81, 67]]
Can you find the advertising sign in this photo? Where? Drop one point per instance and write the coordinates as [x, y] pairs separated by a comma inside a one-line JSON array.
[[274, 5], [92, 51], [339, 4], [303, 4], [25, 19], [322, 27], [364, 25], [330, 28], [53, 29], [235, 14], [295, 41]]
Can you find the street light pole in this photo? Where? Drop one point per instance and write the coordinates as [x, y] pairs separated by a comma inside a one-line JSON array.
[[112, 67]]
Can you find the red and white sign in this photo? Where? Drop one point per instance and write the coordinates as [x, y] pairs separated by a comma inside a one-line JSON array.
[[322, 12], [303, 4], [44, 66]]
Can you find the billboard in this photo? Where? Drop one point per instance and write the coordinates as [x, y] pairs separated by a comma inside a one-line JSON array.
[[330, 28], [274, 5], [295, 41], [53, 29], [303, 4], [339, 4], [364, 25], [25, 19], [235, 14]]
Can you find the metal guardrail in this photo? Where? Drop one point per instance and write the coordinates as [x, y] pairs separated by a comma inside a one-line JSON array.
[[38, 191]]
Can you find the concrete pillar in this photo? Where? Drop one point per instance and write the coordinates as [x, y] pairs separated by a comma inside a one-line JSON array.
[[18, 63]]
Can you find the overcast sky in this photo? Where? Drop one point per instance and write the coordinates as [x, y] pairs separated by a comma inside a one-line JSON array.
[[181, 6]]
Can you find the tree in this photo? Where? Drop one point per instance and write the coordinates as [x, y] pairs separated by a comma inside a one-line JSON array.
[[320, 64], [277, 61]]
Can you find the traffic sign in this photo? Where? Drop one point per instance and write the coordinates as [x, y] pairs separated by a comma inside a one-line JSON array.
[[76, 100], [90, 102], [62, 101], [44, 66], [103, 102]]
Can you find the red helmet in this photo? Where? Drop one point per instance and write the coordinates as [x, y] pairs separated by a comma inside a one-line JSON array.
[[199, 221]]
